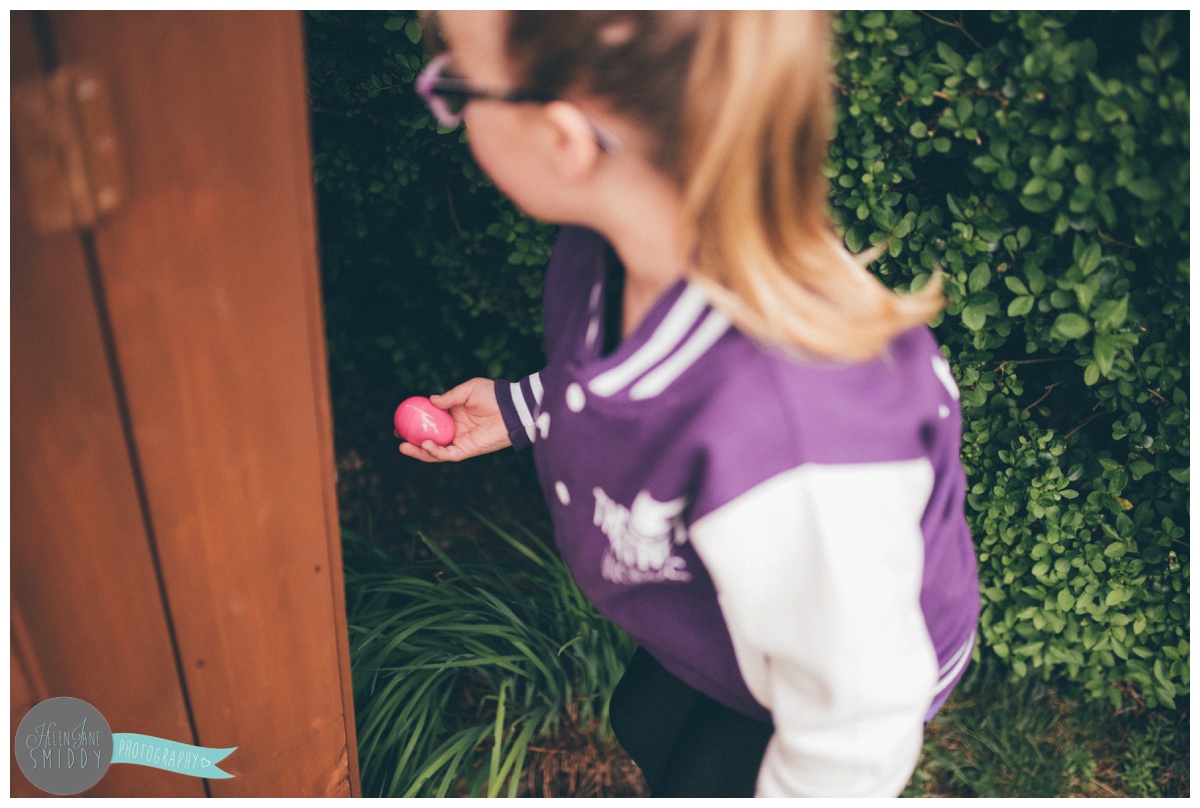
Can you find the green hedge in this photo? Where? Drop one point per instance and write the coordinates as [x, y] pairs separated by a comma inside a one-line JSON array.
[[1040, 159]]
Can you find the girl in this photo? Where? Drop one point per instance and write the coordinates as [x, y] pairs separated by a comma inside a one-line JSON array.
[[748, 444]]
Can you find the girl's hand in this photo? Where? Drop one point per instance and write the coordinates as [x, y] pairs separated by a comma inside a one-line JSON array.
[[479, 427]]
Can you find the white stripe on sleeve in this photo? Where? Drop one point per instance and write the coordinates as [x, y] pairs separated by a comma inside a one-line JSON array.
[[955, 666], [964, 650], [523, 411]]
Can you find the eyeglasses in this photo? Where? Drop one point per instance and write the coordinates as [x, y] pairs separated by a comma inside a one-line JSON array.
[[447, 97]]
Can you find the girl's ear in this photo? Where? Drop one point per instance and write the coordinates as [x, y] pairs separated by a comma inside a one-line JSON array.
[[576, 151]]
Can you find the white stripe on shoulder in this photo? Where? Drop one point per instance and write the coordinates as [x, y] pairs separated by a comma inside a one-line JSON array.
[[670, 332], [523, 411], [659, 379], [535, 384]]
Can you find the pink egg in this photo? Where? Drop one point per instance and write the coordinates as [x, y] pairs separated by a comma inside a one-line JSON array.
[[417, 420]]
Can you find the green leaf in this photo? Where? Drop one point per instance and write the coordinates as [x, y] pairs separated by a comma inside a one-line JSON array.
[[395, 22], [1015, 285], [1098, 83], [1035, 204], [1035, 276], [1110, 315], [950, 56], [1020, 306], [1060, 298], [1140, 468], [874, 19], [413, 31], [974, 318], [1084, 292], [1090, 258], [1147, 190], [1109, 111], [1054, 162], [1115, 550], [1065, 600], [1071, 326], [980, 276], [1160, 673], [1105, 353], [963, 109], [1029, 649]]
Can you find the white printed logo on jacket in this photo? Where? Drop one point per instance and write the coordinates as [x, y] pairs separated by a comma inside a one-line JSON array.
[[641, 539]]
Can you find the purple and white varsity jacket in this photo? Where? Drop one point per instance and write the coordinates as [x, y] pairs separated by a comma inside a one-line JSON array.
[[786, 536]]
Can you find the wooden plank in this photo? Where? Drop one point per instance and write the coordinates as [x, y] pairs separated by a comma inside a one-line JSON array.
[[26, 689], [298, 108], [210, 273], [82, 575]]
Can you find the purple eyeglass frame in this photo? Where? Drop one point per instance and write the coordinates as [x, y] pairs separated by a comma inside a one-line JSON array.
[[431, 86]]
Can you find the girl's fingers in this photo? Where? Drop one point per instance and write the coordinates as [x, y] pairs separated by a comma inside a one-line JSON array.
[[460, 395], [430, 452], [454, 397], [409, 450], [445, 454], [418, 452]]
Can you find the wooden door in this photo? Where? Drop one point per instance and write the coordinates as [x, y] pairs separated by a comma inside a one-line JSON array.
[[175, 548]]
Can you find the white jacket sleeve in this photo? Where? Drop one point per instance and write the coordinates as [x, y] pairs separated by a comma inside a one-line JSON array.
[[818, 572]]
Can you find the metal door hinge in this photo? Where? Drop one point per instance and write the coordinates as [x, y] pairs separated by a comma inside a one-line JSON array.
[[65, 148]]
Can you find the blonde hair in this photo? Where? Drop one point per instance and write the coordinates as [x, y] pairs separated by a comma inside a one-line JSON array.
[[748, 95]]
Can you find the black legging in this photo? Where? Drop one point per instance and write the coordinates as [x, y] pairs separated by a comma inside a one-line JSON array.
[[686, 744]]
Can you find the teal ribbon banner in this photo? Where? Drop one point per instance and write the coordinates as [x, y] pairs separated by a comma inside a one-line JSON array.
[[172, 756]]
